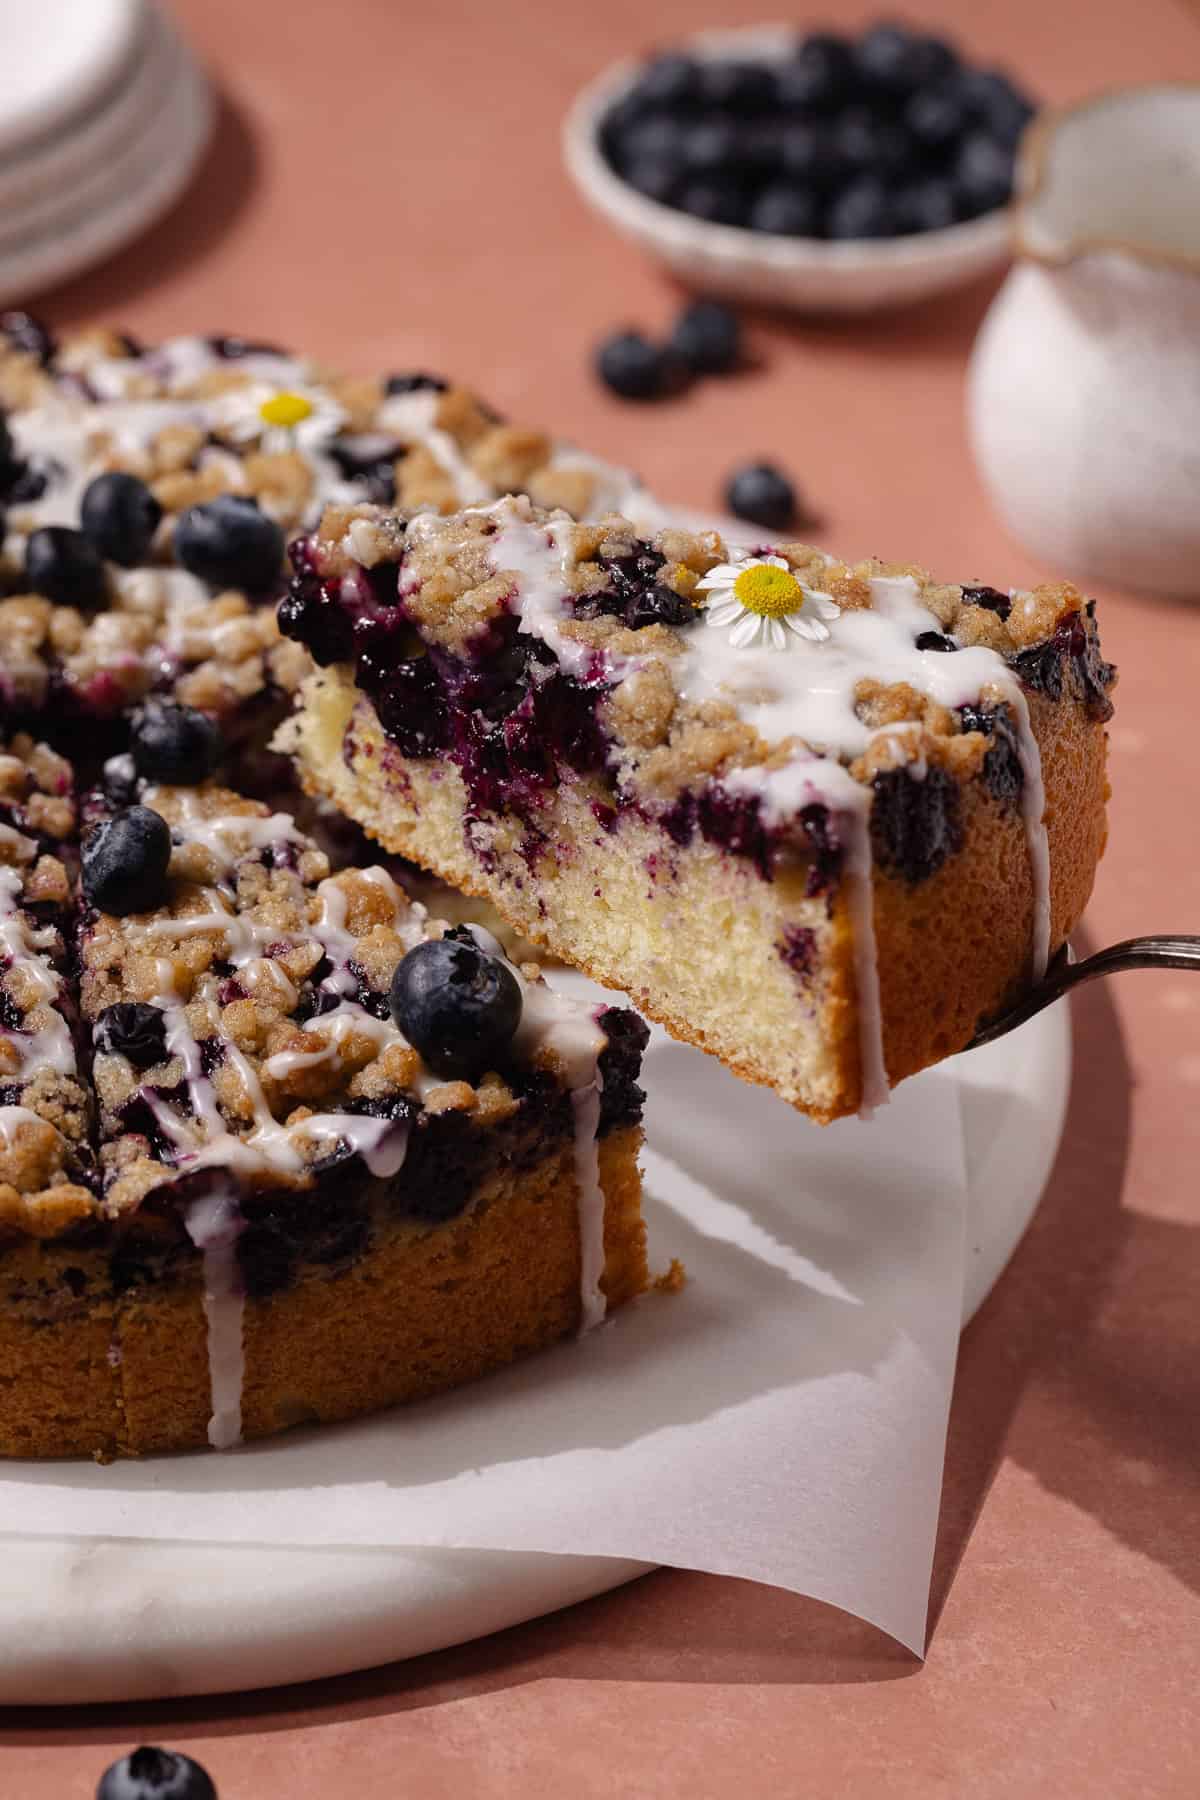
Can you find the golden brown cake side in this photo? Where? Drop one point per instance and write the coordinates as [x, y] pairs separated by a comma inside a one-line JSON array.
[[424, 1309]]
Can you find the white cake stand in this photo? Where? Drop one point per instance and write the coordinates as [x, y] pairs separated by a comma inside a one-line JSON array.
[[130, 1620]]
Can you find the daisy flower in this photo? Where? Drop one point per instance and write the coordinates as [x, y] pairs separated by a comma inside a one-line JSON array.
[[761, 599], [295, 418]]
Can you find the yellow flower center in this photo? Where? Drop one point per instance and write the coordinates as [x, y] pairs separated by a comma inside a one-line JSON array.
[[285, 410], [771, 592]]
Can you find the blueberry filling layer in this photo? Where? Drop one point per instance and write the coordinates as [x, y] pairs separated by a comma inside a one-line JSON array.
[[1070, 657], [510, 718], [916, 824], [330, 1221]]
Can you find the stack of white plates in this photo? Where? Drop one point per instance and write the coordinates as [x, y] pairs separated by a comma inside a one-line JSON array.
[[103, 115]]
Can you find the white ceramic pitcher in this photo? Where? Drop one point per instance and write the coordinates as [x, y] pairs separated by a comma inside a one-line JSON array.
[[1084, 386]]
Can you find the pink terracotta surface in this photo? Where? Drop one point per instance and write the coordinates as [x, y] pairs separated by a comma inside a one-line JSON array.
[[385, 188]]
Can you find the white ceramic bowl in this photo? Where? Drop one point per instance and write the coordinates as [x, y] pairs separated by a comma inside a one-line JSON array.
[[808, 274]]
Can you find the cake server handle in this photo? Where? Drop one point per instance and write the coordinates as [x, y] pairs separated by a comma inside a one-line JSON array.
[[1167, 952]]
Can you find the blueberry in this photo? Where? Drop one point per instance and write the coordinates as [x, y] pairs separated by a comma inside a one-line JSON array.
[[369, 459], [936, 117], [134, 1029], [925, 206], [996, 103], [763, 495], [152, 1774], [119, 515], [718, 199], [710, 146], [894, 62], [934, 640], [8, 455], [457, 1005], [808, 153], [787, 211], [124, 862], [415, 383], [658, 180], [25, 482], [990, 597], [738, 87], [232, 349], [759, 148], [119, 780], [708, 337], [174, 743], [230, 543], [26, 333], [670, 80], [821, 73], [635, 368], [311, 615], [863, 143], [653, 138], [64, 566], [862, 210], [983, 174]]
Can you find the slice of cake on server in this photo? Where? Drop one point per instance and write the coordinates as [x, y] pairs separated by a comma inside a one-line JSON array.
[[819, 819]]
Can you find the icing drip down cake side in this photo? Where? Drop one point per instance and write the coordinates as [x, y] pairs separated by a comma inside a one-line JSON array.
[[819, 819], [276, 1147]]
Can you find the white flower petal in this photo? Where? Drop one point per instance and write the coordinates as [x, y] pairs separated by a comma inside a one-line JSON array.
[[724, 574], [808, 628], [725, 612], [746, 631], [775, 634], [823, 606]]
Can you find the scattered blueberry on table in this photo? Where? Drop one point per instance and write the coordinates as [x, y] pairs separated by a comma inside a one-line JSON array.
[[148, 1773], [708, 338], [881, 136], [634, 368], [763, 495]]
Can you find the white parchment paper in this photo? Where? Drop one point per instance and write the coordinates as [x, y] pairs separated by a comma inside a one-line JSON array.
[[783, 1418]]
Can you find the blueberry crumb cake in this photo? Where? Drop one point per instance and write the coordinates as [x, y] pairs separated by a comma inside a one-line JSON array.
[[147, 491], [276, 1147], [818, 818]]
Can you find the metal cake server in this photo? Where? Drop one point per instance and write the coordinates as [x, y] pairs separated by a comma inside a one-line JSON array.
[[1168, 952]]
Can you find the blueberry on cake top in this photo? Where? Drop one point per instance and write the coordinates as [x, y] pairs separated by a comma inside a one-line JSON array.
[[818, 818], [325, 1154], [146, 493]]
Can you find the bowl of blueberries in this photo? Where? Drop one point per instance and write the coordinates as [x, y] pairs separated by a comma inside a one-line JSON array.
[[818, 172]]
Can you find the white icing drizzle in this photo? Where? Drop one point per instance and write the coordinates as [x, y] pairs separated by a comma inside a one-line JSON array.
[[214, 1224], [12, 1117], [585, 1105], [805, 693], [24, 947], [552, 1024]]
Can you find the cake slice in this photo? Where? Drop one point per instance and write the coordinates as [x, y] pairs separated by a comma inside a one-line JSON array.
[[818, 819], [344, 1160]]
